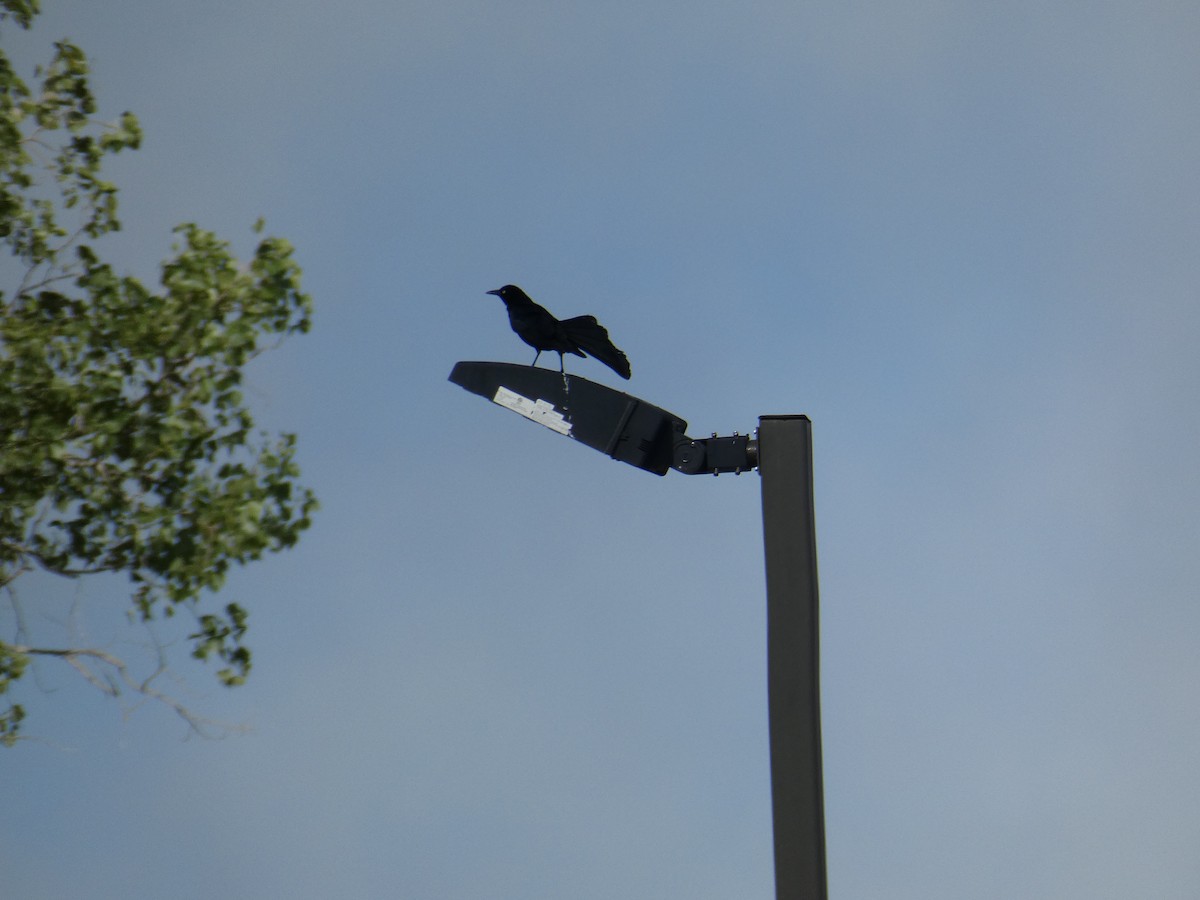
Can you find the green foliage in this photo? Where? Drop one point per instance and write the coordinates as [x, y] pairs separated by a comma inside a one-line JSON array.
[[12, 666], [125, 444], [21, 10]]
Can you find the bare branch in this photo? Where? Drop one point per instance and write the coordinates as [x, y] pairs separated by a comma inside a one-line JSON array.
[[47, 281], [7, 579], [119, 676], [30, 553]]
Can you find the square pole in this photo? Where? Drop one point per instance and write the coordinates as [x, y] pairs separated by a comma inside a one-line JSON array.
[[793, 656]]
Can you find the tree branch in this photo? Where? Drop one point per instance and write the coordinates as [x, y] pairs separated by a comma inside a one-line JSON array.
[[118, 675], [30, 553]]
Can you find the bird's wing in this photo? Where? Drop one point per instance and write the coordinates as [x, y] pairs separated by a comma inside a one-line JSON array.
[[590, 336]]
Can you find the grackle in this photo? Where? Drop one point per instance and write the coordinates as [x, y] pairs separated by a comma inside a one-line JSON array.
[[582, 335]]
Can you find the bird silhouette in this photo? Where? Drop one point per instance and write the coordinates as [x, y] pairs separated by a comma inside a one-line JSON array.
[[582, 335]]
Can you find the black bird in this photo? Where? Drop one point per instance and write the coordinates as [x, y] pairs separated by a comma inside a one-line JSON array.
[[582, 335]]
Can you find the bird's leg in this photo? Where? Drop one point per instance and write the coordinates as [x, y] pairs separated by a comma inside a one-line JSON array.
[[561, 368], [535, 358]]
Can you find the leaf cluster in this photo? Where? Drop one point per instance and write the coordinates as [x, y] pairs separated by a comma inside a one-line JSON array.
[[21, 10], [125, 442]]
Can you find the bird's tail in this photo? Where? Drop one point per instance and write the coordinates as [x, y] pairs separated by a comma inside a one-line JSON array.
[[592, 337]]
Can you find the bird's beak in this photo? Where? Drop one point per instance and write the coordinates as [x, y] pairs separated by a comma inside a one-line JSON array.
[[496, 292]]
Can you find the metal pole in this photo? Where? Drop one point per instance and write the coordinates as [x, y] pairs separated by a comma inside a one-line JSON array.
[[793, 657]]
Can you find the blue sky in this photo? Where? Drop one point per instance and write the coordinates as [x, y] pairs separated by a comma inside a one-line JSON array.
[[960, 237]]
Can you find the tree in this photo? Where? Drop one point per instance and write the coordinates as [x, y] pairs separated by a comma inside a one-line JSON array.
[[125, 444]]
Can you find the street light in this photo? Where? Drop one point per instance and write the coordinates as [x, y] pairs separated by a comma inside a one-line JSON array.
[[633, 431]]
